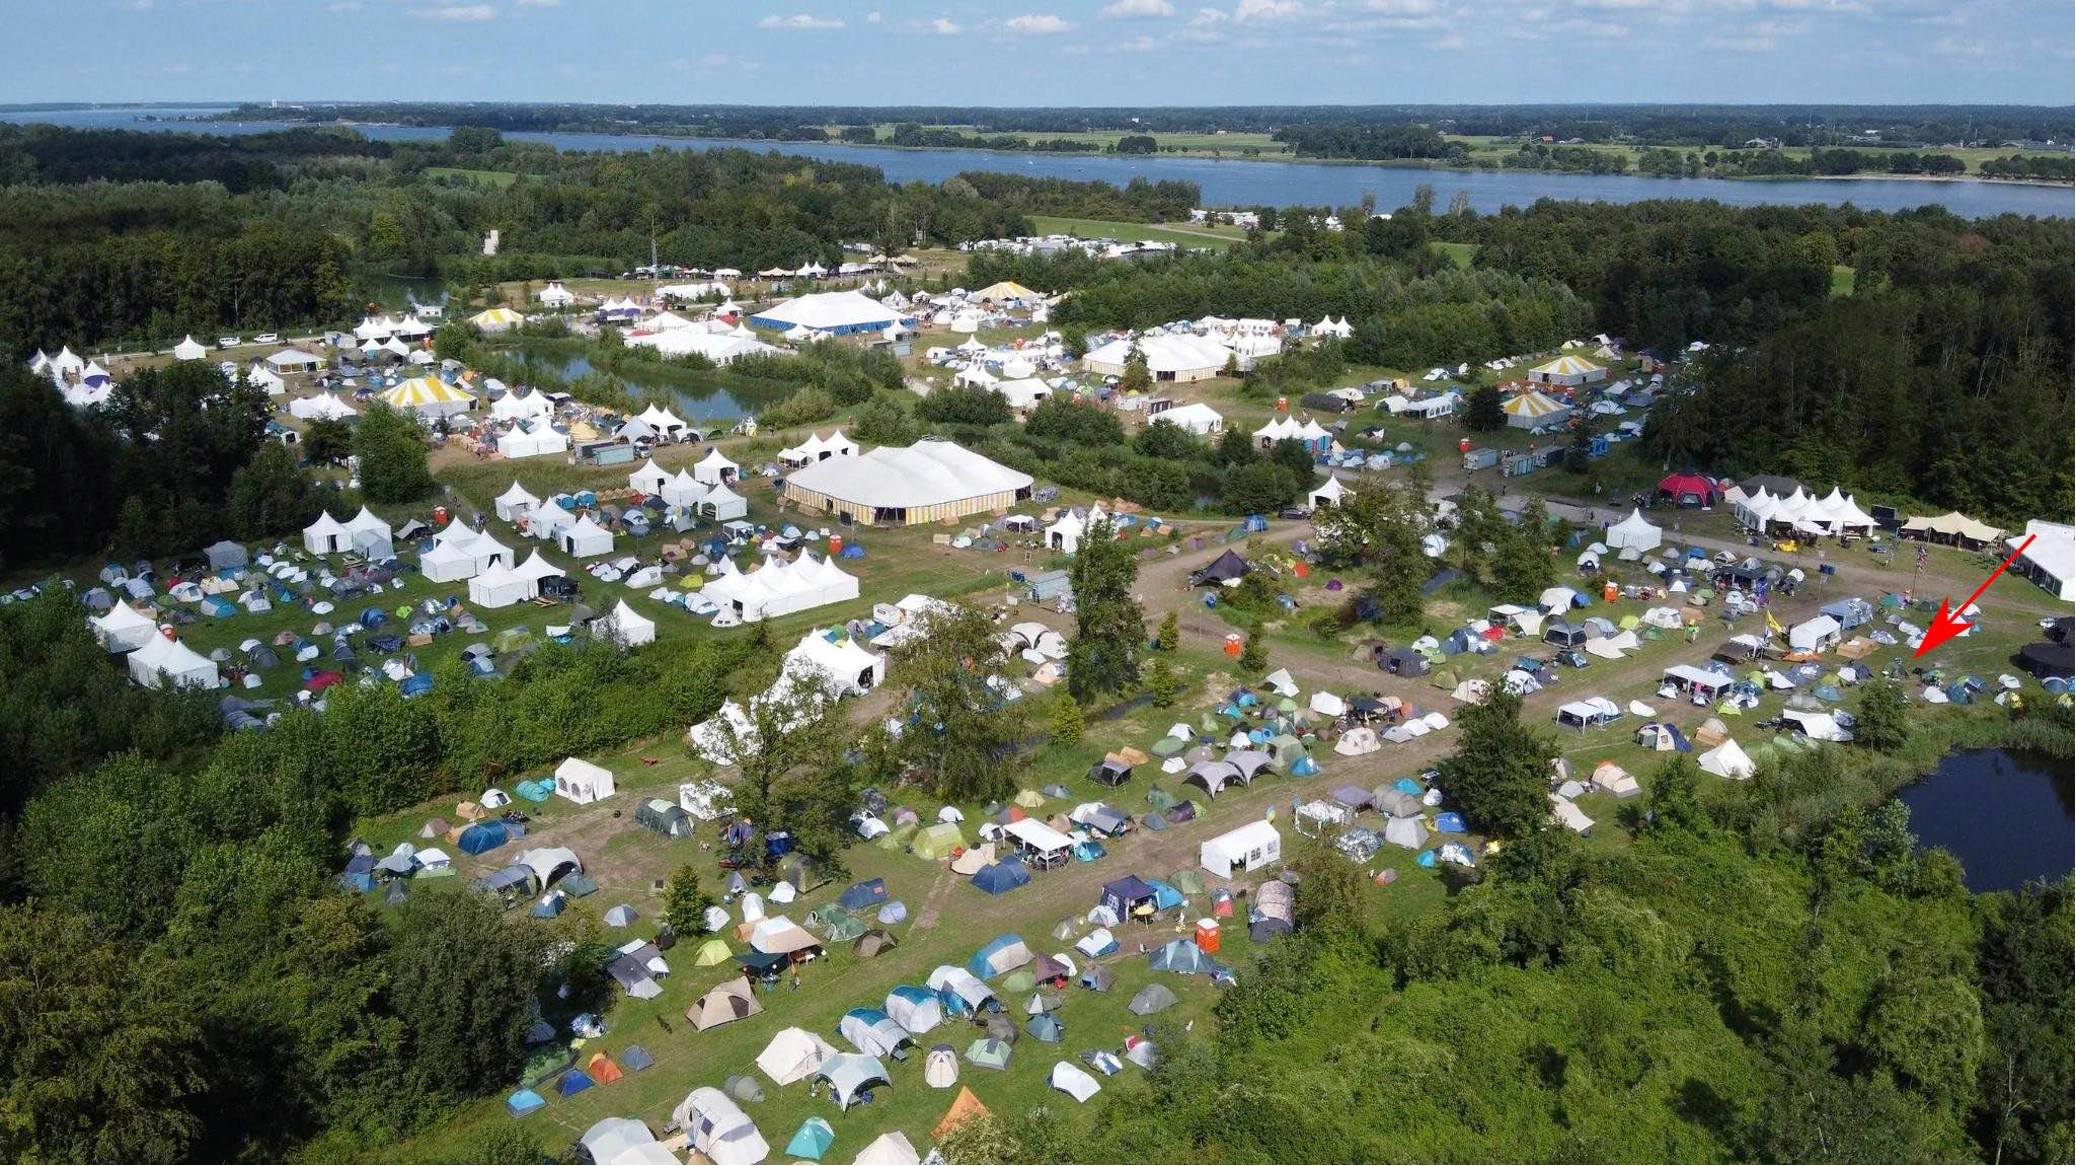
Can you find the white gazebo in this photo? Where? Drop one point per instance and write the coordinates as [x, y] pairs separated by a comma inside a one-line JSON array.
[[1328, 493], [123, 628], [586, 539], [514, 503], [500, 586], [650, 478], [326, 536], [189, 349], [626, 627], [715, 468], [1634, 532], [447, 562]]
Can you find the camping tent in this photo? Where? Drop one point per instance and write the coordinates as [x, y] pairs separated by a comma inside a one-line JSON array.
[[1251, 847], [1634, 531], [794, 1055], [850, 1074], [1151, 999], [999, 956], [1073, 1082], [1726, 760], [889, 1149], [717, 1127], [627, 627], [123, 628], [725, 1004], [583, 782]]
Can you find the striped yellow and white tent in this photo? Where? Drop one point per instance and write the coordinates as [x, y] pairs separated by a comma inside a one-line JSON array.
[[429, 397], [1567, 370], [1007, 291], [496, 320], [1532, 409]]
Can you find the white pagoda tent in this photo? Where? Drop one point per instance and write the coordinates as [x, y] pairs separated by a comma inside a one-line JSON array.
[[326, 536]]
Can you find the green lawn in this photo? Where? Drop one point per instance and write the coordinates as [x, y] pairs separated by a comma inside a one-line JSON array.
[[1843, 279], [1460, 254], [1181, 236], [477, 177]]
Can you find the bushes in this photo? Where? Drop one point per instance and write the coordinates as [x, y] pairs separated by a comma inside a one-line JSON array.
[[958, 405]]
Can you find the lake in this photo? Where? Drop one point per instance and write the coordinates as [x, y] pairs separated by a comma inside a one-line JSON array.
[[718, 406], [2007, 816], [1230, 183]]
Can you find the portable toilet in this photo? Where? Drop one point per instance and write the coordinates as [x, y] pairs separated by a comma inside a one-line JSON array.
[[1207, 936]]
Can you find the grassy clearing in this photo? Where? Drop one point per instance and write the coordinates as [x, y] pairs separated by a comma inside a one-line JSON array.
[[1843, 279], [1460, 254], [498, 178], [1181, 236]]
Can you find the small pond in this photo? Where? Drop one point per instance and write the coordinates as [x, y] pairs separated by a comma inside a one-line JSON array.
[[696, 407], [2007, 816]]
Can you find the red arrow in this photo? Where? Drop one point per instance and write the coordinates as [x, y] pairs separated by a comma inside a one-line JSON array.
[[1946, 625]]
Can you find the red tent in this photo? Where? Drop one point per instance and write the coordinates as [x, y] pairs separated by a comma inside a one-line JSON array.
[[1688, 489]]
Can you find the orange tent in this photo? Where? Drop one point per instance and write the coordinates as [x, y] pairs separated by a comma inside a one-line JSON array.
[[964, 1108], [602, 1069]]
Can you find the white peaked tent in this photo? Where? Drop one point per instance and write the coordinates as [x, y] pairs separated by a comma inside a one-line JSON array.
[[259, 376], [628, 627], [1726, 760], [515, 502], [326, 536], [715, 468], [649, 479], [488, 551], [682, 490], [533, 570], [793, 1055], [663, 421], [1634, 531], [847, 667], [517, 406], [586, 540], [369, 535], [723, 504], [161, 662], [320, 408], [500, 586], [1329, 493], [123, 629], [447, 562], [889, 1149], [532, 439], [189, 349]]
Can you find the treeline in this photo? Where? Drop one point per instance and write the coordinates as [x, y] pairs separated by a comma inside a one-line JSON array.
[[2059, 167], [911, 134], [1568, 159], [238, 162], [1372, 142], [1835, 162], [1699, 125], [175, 956], [1137, 201]]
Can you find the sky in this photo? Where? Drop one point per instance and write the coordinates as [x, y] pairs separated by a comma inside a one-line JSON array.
[[1046, 52]]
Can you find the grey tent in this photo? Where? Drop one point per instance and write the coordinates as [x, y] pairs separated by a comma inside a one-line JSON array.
[[225, 555], [1097, 978], [621, 916], [1151, 999], [1274, 912], [744, 1089], [987, 1053], [1045, 1028], [1226, 566], [850, 1074]]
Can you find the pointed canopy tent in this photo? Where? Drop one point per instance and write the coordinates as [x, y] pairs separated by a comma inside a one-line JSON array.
[[1634, 531], [161, 662], [649, 479], [715, 469], [326, 536], [188, 349], [123, 629], [586, 539], [428, 397], [627, 627], [515, 502]]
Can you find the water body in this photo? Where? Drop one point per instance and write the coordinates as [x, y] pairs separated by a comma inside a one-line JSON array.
[[2007, 816], [1235, 182], [716, 407]]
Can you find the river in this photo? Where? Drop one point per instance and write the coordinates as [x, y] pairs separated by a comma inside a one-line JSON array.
[[2006, 816], [1235, 182]]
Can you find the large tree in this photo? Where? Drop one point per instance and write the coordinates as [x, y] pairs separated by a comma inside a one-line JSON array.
[[960, 736], [1109, 627], [1499, 774], [391, 449], [1380, 527]]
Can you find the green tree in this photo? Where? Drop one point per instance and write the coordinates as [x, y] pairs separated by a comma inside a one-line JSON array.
[[101, 1063], [1482, 412], [327, 442], [1674, 801], [451, 955], [1067, 722], [270, 496], [1254, 657], [1500, 770], [685, 901], [1136, 379], [1381, 528], [1109, 627], [1261, 488], [1883, 720], [1162, 682], [963, 735], [1169, 637], [391, 449]]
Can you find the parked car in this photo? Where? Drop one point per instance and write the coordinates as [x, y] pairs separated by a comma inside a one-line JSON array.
[[227, 342], [267, 338]]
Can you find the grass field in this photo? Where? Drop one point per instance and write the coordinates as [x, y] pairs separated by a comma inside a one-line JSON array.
[[477, 177], [1187, 235], [1460, 254], [1843, 279]]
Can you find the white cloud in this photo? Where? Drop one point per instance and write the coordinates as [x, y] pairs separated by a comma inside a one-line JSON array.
[[1743, 44], [138, 5], [1401, 7], [872, 18], [802, 23], [943, 27], [1207, 16], [537, 3], [1264, 11], [345, 5], [1449, 42], [1138, 9], [461, 12], [1039, 24]]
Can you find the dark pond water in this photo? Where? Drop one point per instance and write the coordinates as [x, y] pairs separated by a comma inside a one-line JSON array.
[[2007, 816], [700, 407], [1230, 183]]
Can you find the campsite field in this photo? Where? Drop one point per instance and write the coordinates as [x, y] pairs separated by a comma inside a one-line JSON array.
[[950, 920]]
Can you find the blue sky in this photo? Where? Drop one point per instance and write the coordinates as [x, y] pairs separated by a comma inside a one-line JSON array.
[[1045, 52]]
